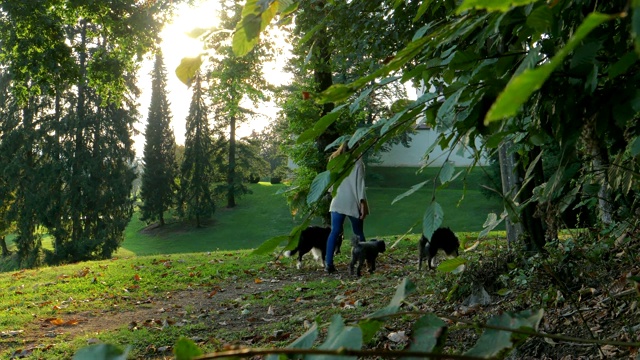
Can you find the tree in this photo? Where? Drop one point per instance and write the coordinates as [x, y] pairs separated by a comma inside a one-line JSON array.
[[158, 180], [234, 81], [196, 171], [68, 120]]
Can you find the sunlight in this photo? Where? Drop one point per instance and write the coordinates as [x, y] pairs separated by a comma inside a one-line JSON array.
[[176, 45]]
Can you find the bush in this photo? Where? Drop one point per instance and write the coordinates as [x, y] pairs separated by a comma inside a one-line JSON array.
[[276, 180]]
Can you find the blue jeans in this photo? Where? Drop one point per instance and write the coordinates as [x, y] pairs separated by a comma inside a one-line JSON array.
[[337, 223]]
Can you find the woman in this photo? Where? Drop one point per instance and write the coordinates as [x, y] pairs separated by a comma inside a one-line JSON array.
[[350, 201]]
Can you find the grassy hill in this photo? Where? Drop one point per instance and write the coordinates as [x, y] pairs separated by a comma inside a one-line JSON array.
[[230, 301]]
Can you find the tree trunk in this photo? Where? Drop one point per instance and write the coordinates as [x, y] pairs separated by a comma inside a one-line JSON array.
[[324, 79], [533, 227], [509, 188], [231, 171], [600, 163], [5, 249]]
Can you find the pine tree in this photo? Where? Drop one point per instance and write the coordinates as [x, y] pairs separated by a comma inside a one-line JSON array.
[[196, 199], [160, 168]]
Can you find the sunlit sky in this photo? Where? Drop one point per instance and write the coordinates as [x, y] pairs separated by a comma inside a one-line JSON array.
[[177, 45]]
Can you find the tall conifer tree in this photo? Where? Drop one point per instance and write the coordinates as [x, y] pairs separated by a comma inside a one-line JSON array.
[[196, 178], [160, 169]]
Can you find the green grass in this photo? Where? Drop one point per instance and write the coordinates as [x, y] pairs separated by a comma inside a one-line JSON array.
[[256, 218]]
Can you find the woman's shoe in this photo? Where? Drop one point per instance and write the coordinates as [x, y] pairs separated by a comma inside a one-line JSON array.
[[330, 269]]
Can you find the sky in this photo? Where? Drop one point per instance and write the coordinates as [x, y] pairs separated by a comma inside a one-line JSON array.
[[177, 45]]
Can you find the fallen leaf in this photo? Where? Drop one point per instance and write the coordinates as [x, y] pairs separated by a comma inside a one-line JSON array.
[[398, 337], [56, 321], [257, 281]]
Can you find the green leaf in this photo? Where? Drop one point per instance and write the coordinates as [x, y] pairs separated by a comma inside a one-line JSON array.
[[451, 265], [490, 223], [340, 336], [356, 104], [422, 9], [269, 245], [635, 24], [319, 186], [585, 54], [540, 18], [432, 219], [447, 172], [188, 68], [102, 352], [303, 342], [357, 136], [493, 343], [622, 65], [186, 349], [635, 146], [492, 5], [369, 328], [520, 88], [404, 289], [319, 127], [504, 292], [255, 18], [429, 334], [413, 189]]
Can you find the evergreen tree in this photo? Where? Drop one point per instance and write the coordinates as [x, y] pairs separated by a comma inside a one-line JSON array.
[[196, 171], [160, 168]]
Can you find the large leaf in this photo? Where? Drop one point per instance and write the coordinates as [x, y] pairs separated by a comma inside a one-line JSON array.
[[446, 172], [428, 335], [413, 189], [432, 219], [520, 88], [492, 5], [269, 245], [256, 15], [340, 336], [186, 349], [404, 289], [635, 24], [319, 127], [319, 186], [622, 65], [101, 352], [187, 69], [490, 223], [493, 343], [451, 265], [303, 342]]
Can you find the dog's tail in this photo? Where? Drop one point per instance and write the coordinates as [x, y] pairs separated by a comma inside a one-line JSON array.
[[290, 253]]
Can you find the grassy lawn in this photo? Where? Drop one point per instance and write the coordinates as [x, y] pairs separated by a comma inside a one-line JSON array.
[[265, 214]]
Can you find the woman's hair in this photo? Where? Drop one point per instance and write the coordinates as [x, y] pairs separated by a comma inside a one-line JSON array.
[[339, 151]]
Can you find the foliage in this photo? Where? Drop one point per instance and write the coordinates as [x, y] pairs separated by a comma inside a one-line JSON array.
[[67, 121], [158, 190], [547, 72], [196, 170], [233, 81]]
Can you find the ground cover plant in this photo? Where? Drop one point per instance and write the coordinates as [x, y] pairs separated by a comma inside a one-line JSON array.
[[226, 301]]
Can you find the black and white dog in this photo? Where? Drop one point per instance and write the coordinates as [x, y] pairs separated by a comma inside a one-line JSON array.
[[314, 239], [362, 251], [442, 239]]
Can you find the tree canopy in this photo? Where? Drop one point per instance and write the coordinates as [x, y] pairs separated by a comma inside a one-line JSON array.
[[524, 74]]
